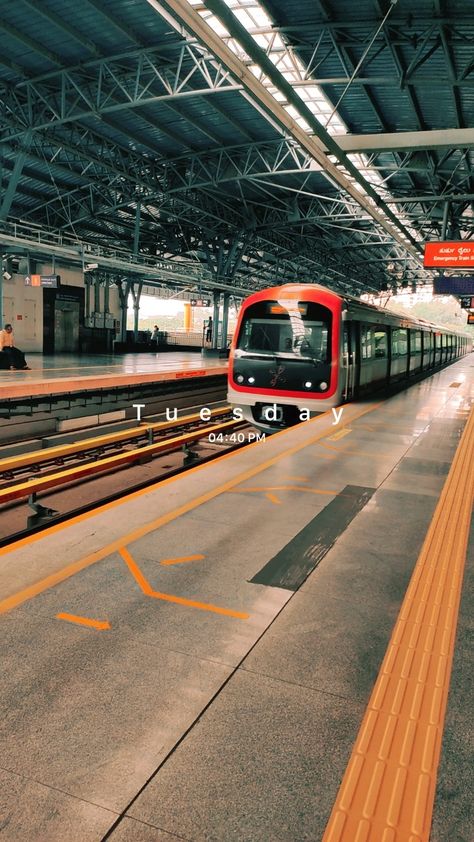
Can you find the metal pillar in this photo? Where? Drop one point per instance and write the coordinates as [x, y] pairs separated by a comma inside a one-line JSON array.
[[225, 320], [96, 295], [87, 302], [136, 233], [444, 227], [107, 296], [124, 291], [215, 321], [136, 293]]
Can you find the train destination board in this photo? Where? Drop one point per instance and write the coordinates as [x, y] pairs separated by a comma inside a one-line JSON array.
[[449, 254], [454, 285]]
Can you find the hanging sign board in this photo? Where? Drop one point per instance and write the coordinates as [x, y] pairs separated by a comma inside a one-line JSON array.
[[200, 302], [456, 255], [454, 285], [470, 318], [466, 302], [42, 280]]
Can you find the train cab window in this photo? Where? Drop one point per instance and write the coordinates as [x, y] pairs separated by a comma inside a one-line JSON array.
[[399, 342], [366, 342], [381, 344], [290, 328]]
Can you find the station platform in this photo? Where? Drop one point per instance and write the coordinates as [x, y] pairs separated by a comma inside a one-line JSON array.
[[209, 658], [70, 373]]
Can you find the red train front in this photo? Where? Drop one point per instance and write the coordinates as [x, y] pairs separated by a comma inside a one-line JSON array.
[[283, 364]]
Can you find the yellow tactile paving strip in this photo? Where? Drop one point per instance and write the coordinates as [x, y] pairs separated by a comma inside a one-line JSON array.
[[388, 789]]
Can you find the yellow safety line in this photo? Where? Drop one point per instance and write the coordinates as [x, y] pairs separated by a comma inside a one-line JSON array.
[[167, 562], [81, 564], [100, 625], [340, 434], [146, 588], [388, 789]]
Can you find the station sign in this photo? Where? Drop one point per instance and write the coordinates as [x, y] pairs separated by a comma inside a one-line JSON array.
[[455, 255], [51, 281], [466, 302], [454, 285], [470, 318], [200, 302]]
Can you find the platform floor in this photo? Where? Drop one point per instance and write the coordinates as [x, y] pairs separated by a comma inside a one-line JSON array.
[[70, 372], [242, 613]]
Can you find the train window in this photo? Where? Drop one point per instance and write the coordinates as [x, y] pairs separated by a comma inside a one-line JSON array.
[[399, 342], [290, 328], [416, 341], [366, 341], [381, 343], [428, 341]]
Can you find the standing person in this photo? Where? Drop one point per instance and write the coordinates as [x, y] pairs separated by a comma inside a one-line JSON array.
[[11, 357], [209, 330], [155, 335]]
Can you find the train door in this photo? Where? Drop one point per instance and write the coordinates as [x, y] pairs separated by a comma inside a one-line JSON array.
[[349, 361]]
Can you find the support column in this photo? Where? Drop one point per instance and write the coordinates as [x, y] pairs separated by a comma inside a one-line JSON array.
[[225, 320], [215, 321], [188, 316], [107, 296], [136, 307], [444, 227], [96, 294], [136, 233]]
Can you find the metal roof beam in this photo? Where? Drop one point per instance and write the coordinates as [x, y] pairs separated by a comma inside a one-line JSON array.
[[15, 176], [104, 87], [259, 94]]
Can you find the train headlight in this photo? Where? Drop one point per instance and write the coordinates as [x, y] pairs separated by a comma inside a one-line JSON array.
[[308, 384], [323, 386], [240, 378], [251, 379]]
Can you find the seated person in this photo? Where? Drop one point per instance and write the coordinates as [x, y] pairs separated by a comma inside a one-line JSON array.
[[11, 357]]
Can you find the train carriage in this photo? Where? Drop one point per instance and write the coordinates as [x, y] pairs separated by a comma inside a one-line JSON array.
[[300, 349]]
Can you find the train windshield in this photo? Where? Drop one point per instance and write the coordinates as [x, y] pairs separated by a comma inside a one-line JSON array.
[[297, 329]]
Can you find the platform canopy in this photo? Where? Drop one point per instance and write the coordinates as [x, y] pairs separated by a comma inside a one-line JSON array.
[[264, 142]]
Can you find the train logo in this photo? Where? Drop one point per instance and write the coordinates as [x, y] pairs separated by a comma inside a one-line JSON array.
[[277, 375]]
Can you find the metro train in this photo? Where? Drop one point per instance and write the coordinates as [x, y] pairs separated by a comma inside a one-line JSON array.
[[300, 349]]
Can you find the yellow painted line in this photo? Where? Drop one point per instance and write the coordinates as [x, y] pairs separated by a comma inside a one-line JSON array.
[[455, 385], [340, 435], [388, 789], [128, 538], [346, 451], [179, 600], [284, 488], [273, 499], [182, 559], [100, 625]]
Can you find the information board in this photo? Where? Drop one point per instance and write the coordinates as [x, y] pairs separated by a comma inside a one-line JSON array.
[[200, 302], [470, 318], [51, 281], [454, 285], [466, 302], [457, 255]]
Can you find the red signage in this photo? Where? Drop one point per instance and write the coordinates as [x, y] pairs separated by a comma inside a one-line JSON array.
[[457, 254]]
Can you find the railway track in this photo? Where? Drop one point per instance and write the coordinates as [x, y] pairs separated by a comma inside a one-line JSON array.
[[52, 485]]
